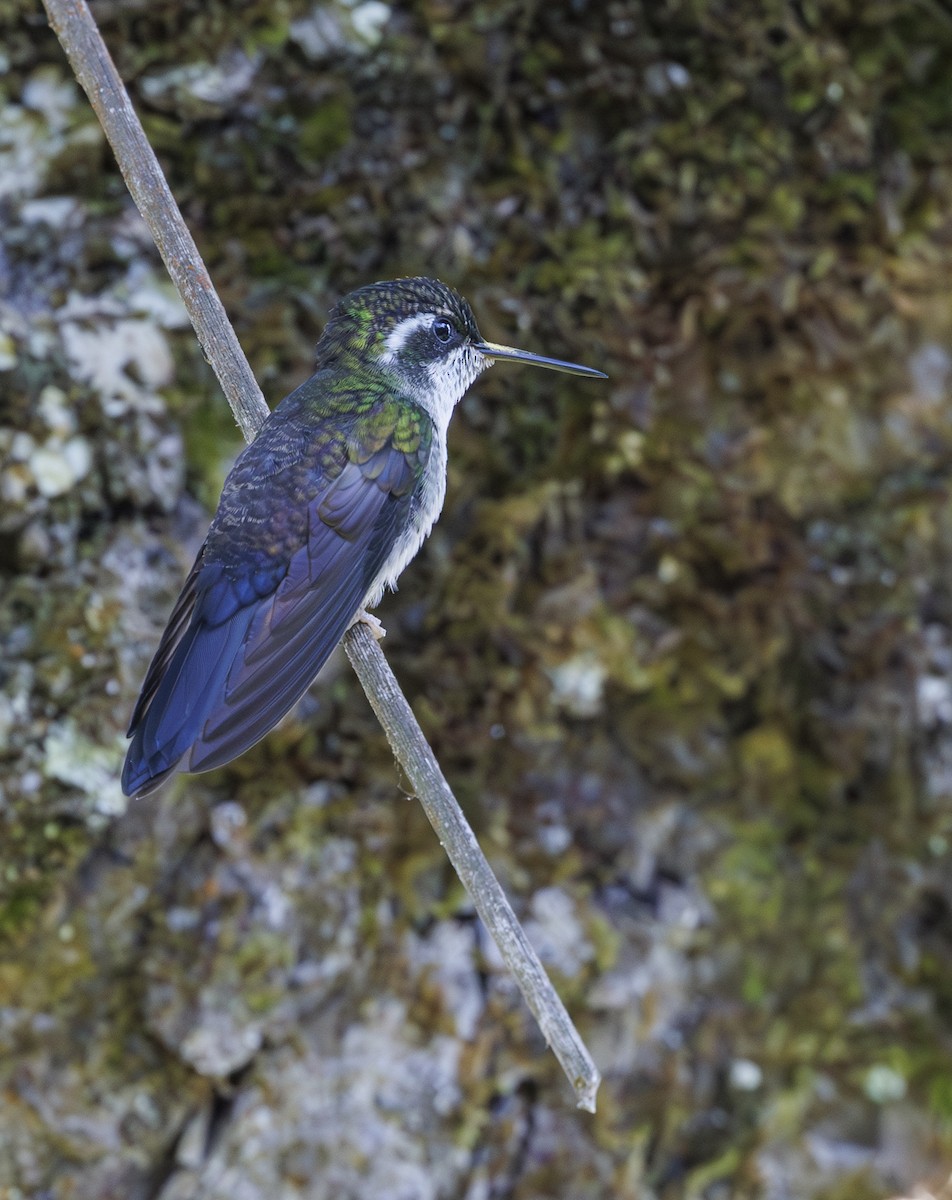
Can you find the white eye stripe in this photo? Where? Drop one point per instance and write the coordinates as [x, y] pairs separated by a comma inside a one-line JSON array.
[[401, 333]]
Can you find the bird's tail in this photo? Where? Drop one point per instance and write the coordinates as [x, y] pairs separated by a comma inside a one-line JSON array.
[[192, 687]]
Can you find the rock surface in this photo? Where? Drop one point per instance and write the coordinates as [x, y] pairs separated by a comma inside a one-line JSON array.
[[682, 642]]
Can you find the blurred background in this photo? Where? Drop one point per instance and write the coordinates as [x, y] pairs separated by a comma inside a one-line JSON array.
[[681, 641]]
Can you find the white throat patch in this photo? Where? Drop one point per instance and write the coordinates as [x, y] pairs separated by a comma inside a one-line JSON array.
[[438, 385]]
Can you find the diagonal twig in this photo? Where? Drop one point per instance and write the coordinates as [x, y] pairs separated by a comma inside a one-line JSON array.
[[93, 67], [79, 35], [445, 815]]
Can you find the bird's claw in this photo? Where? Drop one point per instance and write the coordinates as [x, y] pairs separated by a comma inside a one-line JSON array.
[[374, 624]]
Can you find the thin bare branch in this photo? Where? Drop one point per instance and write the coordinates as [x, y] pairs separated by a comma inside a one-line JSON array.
[[76, 29], [92, 64], [445, 815]]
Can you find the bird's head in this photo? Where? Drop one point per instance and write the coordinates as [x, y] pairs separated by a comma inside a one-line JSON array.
[[423, 334]]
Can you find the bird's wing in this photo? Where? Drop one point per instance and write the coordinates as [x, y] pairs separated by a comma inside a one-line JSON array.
[[174, 630], [251, 629], [292, 633]]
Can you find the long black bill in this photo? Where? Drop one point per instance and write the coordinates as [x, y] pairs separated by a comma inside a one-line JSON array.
[[494, 350]]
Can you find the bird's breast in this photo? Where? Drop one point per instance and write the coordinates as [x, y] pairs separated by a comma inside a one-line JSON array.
[[425, 507]]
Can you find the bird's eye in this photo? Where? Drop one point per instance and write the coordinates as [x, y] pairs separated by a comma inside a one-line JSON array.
[[442, 330]]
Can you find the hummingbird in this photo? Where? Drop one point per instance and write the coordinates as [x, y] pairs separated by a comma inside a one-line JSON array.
[[318, 515]]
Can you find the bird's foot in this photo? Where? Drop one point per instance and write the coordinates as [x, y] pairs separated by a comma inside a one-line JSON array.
[[374, 624]]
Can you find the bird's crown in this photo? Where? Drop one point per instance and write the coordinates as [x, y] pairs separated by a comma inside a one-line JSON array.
[[378, 319]]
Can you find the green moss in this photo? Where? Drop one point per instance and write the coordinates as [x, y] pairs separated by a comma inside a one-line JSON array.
[[325, 131], [854, 1185], [746, 537], [212, 441]]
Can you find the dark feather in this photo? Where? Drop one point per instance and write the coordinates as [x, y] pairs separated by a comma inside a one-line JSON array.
[[174, 630], [292, 637], [252, 628]]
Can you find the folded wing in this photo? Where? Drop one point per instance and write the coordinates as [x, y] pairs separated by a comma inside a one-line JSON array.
[[246, 638]]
